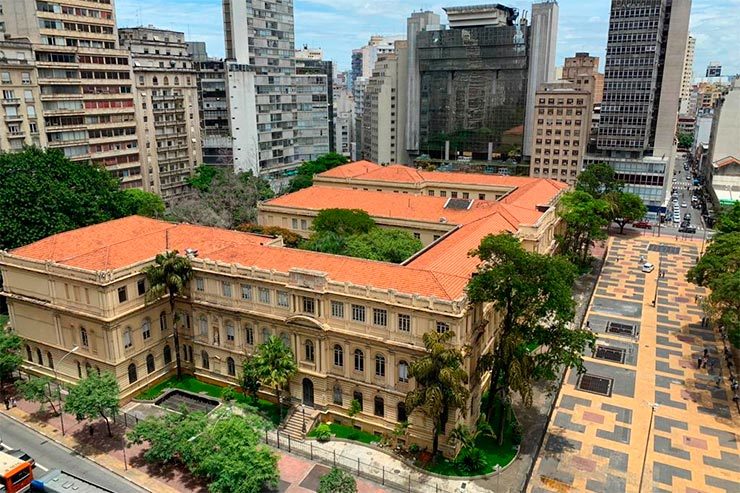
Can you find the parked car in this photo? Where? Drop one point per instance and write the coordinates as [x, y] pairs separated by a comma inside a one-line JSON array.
[[648, 267], [642, 225]]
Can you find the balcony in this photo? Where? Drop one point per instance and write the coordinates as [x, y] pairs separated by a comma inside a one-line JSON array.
[[13, 118], [16, 135], [11, 101]]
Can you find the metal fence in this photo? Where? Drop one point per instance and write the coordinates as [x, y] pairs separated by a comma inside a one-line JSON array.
[[381, 475], [125, 419]]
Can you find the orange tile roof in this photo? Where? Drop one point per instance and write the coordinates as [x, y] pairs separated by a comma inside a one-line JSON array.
[[382, 204], [351, 169], [720, 163]]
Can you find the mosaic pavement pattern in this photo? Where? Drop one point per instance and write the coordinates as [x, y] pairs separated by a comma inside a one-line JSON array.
[[601, 437]]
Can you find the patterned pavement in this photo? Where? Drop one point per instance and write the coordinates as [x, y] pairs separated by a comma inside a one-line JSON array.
[[606, 434]]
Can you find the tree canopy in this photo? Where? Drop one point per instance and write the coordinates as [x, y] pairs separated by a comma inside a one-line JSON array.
[[343, 222], [275, 364], [304, 178], [142, 203], [222, 199], [685, 140], [169, 436], [387, 245], [290, 239], [44, 193], [94, 396], [204, 176], [10, 356], [598, 180], [625, 208], [585, 219], [337, 481], [532, 292], [729, 220], [38, 389]]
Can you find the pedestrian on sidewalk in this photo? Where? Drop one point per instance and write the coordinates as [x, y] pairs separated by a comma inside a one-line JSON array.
[[704, 361]]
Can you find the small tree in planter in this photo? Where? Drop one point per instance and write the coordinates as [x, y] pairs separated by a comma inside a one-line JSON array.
[[337, 481], [323, 433], [94, 396], [354, 409]]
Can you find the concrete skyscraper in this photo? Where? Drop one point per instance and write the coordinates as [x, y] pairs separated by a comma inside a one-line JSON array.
[[583, 70], [642, 86], [688, 76], [260, 52], [314, 89]]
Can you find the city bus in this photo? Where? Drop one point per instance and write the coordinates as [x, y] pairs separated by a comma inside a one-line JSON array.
[[15, 474]]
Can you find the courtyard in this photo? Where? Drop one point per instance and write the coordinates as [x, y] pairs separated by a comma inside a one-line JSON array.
[[644, 417]]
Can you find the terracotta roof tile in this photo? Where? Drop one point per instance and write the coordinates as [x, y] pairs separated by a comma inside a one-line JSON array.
[[351, 169]]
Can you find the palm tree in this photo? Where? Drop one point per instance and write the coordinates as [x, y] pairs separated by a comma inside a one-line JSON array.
[[441, 382], [275, 365], [466, 437], [169, 275]]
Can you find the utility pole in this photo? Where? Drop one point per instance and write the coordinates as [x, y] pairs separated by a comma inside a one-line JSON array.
[[653, 407]]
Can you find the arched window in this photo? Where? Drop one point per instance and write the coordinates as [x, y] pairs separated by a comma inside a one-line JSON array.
[[338, 356], [357, 396], [50, 359], [132, 373], [146, 329], [401, 415], [84, 340], [203, 325], [79, 369], [379, 406], [231, 366], [205, 360], [337, 394], [39, 358], [359, 360], [167, 355], [379, 365], [128, 338], [403, 371], [166, 81], [155, 81], [230, 334], [149, 363], [309, 350], [177, 81], [163, 321], [29, 353], [88, 369]]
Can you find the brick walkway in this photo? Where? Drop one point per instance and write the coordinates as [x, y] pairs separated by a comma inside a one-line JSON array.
[[600, 438]]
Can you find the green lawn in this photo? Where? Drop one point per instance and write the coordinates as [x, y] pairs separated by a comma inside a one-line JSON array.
[[3, 320], [348, 433], [192, 384]]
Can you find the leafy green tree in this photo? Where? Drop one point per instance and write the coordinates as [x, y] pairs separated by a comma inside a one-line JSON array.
[[250, 377], [169, 436], [387, 245], [10, 356], [169, 275], [44, 193], [585, 218], [441, 382], [326, 242], [94, 396], [463, 435], [142, 203], [354, 409], [204, 176], [229, 454], [337, 481], [598, 180], [625, 208], [275, 365], [308, 169], [722, 256], [38, 389], [290, 239], [685, 140], [729, 220], [343, 222], [532, 293]]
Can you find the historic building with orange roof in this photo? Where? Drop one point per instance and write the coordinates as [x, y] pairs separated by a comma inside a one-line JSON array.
[[354, 325]]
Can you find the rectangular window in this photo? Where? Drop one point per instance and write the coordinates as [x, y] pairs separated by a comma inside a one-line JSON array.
[[246, 292], [417, 236], [453, 195], [249, 333], [229, 332], [481, 196], [141, 287], [404, 322], [122, 294], [304, 225], [380, 317], [200, 284], [282, 299], [358, 313], [127, 342], [294, 223], [309, 305], [264, 296], [443, 193], [226, 288], [442, 327], [337, 309]]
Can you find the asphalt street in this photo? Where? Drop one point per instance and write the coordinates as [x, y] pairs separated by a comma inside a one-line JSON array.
[[49, 456]]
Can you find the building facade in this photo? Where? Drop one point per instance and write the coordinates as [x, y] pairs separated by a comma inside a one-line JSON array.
[[85, 80], [384, 114], [23, 123], [722, 164], [343, 106], [561, 129], [687, 80], [167, 94], [583, 70], [314, 91]]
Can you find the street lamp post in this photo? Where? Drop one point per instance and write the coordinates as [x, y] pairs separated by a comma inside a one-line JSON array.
[[303, 411], [59, 385], [653, 407]]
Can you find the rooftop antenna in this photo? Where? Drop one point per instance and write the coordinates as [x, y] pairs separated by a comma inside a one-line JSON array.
[[138, 13]]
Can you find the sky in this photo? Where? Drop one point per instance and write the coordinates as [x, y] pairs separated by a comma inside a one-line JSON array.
[[338, 26]]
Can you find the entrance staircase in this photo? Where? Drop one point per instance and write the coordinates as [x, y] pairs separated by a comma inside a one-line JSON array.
[[293, 424]]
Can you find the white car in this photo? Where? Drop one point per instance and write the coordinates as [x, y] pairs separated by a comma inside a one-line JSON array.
[[648, 267], [684, 204]]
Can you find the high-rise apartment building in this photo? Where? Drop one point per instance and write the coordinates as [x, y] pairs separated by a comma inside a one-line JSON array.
[[167, 96], [642, 86], [384, 117], [343, 105], [583, 70], [474, 81], [313, 90], [87, 98], [688, 76], [23, 124], [561, 128], [259, 39]]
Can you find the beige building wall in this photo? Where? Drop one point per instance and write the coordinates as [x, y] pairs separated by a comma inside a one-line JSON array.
[[687, 79], [583, 70], [23, 122], [562, 126]]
